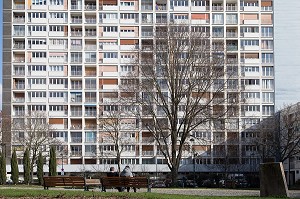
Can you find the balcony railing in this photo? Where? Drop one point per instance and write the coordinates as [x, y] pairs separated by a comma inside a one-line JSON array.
[[76, 113], [91, 113], [90, 60], [76, 139], [92, 99], [19, 33], [76, 20], [90, 20], [91, 126], [76, 153], [19, 6], [76, 33], [90, 140], [217, 8], [90, 7], [19, 20], [19, 46], [76, 73], [19, 59], [90, 47], [231, 8], [76, 126]]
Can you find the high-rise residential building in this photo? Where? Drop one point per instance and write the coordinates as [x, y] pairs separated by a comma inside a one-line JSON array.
[[66, 58]]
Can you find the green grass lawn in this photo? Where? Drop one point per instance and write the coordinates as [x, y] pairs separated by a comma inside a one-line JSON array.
[[34, 193]]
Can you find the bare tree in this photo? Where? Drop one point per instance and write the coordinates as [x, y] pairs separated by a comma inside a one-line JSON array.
[[178, 83], [115, 124], [279, 137], [34, 133]]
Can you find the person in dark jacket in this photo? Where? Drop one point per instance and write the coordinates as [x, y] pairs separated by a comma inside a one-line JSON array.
[[127, 173], [112, 173]]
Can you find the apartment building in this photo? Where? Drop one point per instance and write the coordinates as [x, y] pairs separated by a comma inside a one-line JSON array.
[[66, 58]]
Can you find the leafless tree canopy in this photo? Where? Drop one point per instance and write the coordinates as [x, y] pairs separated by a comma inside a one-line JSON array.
[[34, 133], [279, 135], [113, 125], [179, 84]]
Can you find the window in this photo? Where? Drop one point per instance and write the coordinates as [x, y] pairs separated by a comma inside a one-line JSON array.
[[37, 107], [37, 68], [267, 110], [200, 3], [250, 69], [57, 81], [249, 43], [266, 31], [268, 97], [128, 16], [57, 94], [268, 71], [268, 84], [179, 3], [38, 2], [58, 41], [217, 18], [39, 55], [37, 94], [250, 82], [127, 68], [110, 108], [37, 81], [37, 15], [108, 16], [58, 15], [56, 68], [267, 57], [250, 108], [56, 2], [37, 41], [76, 57], [110, 29], [267, 44], [37, 28], [126, 3], [250, 95], [110, 55], [56, 28]]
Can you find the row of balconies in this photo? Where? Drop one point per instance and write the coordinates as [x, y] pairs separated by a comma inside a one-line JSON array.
[[158, 7]]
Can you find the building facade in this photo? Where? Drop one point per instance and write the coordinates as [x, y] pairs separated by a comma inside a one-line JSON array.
[[66, 58]]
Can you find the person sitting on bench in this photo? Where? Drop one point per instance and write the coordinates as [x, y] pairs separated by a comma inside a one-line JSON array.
[[127, 173]]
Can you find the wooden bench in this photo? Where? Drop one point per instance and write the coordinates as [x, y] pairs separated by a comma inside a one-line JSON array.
[[64, 181], [92, 183], [137, 182]]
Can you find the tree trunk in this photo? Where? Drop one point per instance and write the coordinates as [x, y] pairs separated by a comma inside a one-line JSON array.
[[174, 175]]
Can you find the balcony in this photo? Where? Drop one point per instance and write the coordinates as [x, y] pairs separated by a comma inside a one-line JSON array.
[[231, 8], [90, 60], [76, 20], [91, 20], [76, 47], [90, 7], [19, 59], [90, 127], [19, 100], [148, 153], [19, 33], [19, 46], [90, 99], [231, 34], [19, 7], [76, 127], [19, 20], [217, 7], [76, 113], [76, 153], [90, 140], [76, 33], [90, 47], [76, 7]]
